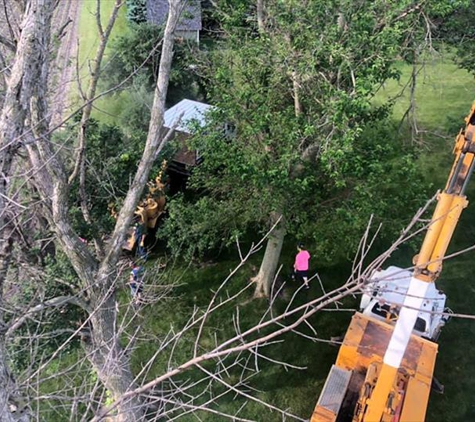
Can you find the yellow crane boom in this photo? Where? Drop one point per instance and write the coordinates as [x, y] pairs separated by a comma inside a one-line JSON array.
[[428, 264], [391, 384]]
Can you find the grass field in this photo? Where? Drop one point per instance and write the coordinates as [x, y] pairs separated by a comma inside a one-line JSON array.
[[444, 92], [107, 109], [295, 390]]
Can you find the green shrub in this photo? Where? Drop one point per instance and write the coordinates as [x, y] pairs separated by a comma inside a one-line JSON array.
[[137, 11]]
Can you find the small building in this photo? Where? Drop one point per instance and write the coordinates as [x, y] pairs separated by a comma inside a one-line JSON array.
[[181, 115], [189, 26]]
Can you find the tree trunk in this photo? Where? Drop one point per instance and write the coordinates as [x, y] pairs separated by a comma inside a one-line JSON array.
[[296, 89], [98, 276], [103, 343], [110, 362], [271, 258], [261, 16], [21, 83], [6, 383]]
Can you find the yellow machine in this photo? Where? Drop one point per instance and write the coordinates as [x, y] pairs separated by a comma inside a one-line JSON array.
[[149, 210], [384, 368]]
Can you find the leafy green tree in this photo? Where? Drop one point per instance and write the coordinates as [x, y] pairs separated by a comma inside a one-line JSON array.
[[136, 52], [112, 159], [135, 58], [455, 29], [299, 92], [137, 11]]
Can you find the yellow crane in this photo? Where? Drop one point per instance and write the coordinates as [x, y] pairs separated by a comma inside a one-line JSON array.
[[385, 366]]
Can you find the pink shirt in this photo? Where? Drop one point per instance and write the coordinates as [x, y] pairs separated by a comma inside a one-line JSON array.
[[301, 261]]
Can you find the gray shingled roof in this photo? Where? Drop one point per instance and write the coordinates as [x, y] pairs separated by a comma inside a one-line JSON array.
[[157, 11]]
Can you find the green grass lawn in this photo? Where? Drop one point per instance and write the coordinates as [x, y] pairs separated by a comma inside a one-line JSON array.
[[293, 389], [107, 109], [444, 93]]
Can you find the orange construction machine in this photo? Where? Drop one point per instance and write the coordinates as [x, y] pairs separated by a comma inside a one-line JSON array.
[[384, 369], [148, 212]]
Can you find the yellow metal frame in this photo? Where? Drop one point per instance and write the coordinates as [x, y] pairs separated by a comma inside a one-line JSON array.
[[362, 350], [429, 262], [381, 396]]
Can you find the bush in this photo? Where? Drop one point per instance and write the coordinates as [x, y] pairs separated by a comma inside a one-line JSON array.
[[137, 11]]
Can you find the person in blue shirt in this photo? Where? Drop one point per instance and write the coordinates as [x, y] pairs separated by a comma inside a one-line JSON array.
[[140, 234], [136, 282]]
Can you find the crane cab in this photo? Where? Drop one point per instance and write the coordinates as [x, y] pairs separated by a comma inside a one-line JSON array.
[[385, 292], [351, 381]]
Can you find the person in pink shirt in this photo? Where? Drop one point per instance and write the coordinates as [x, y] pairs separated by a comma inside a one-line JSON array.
[[301, 264]]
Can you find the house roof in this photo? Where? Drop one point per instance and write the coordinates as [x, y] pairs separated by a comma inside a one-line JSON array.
[[157, 11], [191, 110]]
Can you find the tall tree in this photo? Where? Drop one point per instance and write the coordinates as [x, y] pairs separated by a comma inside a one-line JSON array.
[[298, 89], [22, 84], [24, 121]]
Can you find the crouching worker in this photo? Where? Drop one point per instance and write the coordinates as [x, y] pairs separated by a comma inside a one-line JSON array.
[[136, 282]]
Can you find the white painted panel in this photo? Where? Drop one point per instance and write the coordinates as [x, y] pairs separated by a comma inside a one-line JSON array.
[[405, 323]]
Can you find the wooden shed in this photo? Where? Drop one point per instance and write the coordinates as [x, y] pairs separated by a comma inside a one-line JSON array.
[[182, 114]]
